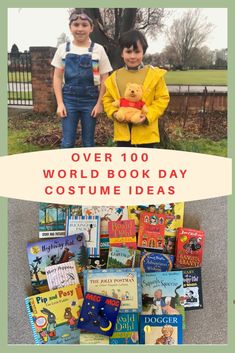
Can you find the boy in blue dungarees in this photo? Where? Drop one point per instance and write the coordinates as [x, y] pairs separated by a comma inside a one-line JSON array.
[[81, 67]]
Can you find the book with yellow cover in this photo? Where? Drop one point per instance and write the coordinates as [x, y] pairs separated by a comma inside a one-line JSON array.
[[53, 315]]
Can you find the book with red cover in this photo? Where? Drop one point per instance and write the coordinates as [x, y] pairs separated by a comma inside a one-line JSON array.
[[151, 230], [122, 233], [189, 247]]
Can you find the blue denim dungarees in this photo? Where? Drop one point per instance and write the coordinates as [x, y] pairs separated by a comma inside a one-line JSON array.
[[79, 96]]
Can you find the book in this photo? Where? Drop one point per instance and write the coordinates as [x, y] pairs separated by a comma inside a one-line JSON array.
[[52, 220], [134, 213], [104, 241], [61, 275], [161, 329], [193, 288], [93, 338], [126, 329], [106, 214], [189, 248], [122, 233], [50, 252], [90, 226], [123, 258], [151, 230], [163, 293], [98, 262], [154, 262], [99, 314], [53, 315], [123, 284]]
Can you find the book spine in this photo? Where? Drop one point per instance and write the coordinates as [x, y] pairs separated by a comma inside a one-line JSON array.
[[35, 335]]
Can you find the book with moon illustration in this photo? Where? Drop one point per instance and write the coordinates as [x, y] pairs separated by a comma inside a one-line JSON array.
[[61, 275], [123, 284], [54, 315], [99, 314]]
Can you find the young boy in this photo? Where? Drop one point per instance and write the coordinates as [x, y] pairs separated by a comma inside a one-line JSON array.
[[133, 46]]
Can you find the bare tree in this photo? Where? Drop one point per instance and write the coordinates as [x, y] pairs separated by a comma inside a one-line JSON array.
[[110, 23], [187, 34]]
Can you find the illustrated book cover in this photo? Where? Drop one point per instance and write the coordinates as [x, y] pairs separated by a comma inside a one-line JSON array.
[[126, 329], [90, 226], [52, 220], [154, 262], [123, 284], [61, 275], [189, 248], [161, 329], [49, 252], [193, 288], [99, 314], [106, 214], [100, 262], [123, 258], [163, 293], [151, 231], [122, 233], [54, 315]]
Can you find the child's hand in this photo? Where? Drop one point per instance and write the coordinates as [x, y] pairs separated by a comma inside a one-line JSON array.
[[61, 111], [98, 108]]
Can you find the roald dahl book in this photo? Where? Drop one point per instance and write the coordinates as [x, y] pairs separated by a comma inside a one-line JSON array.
[[54, 315], [123, 284], [126, 329], [55, 251], [122, 233], [161, 329], [98, 314]]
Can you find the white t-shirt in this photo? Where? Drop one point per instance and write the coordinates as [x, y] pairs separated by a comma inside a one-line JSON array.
[[98, 53]]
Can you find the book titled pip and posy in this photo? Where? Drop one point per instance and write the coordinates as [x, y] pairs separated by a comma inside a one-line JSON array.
[[123, 284], [54, 315], [55, 251]]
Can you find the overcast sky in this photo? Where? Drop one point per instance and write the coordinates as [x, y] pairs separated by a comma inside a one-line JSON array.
[[41, 27]]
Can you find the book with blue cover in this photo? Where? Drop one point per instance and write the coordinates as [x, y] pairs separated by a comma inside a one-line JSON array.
[[161, 329], [123, 284], [126, 329], [54, 315], [155, 262], [50, 252], [99, 314]]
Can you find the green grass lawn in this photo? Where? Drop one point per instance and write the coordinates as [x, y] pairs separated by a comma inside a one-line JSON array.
[[197, 77], [202, 145]]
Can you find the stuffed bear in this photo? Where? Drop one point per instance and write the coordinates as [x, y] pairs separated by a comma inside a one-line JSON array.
[[131, 107]]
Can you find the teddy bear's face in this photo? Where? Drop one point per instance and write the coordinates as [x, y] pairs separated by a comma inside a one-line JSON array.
[[133, 92]]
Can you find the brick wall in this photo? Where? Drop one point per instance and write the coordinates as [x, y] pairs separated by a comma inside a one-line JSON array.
[[42, 79]]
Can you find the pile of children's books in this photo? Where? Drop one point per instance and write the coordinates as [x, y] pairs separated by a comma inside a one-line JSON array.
[[113, 275]]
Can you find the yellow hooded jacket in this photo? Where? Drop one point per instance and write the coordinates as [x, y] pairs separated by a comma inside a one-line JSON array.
[[156, 98]]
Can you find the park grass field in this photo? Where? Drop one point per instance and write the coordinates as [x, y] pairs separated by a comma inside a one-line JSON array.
[[197, 77]]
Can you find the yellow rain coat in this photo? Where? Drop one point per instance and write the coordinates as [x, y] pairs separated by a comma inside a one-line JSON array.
[[156, 98]]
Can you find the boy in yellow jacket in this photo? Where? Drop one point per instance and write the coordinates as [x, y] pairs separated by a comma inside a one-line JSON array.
[[133, 46]]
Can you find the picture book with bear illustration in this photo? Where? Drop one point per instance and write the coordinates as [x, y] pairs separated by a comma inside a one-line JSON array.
[[122, 233], [54, 315], [52, 252], [193, 288], [99, 314], [123, 258], [161, 329], [151, 230], [90, 226]]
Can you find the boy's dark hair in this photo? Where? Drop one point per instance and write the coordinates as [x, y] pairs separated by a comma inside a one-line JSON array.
[[129, 39]]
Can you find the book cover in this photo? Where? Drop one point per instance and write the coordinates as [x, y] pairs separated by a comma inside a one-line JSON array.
[[55, 251], [90, 226], [163, 293], [98, 262], [123, 258], [61, 275], [134, 213], [99, 314], [151, 230], [161, 329], [126, 329], [93, 338], [52, 220], [122, 233], [189, 248], [123, 284], [193, 288], [154, 262], [104, 241], [106, 214], [75, 210], [53, 315]]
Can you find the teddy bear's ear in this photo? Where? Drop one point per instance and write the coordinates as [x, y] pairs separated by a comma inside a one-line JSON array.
[[128, 84]]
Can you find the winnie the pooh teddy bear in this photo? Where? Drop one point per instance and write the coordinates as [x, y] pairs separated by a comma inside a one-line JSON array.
[[131, 107]]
